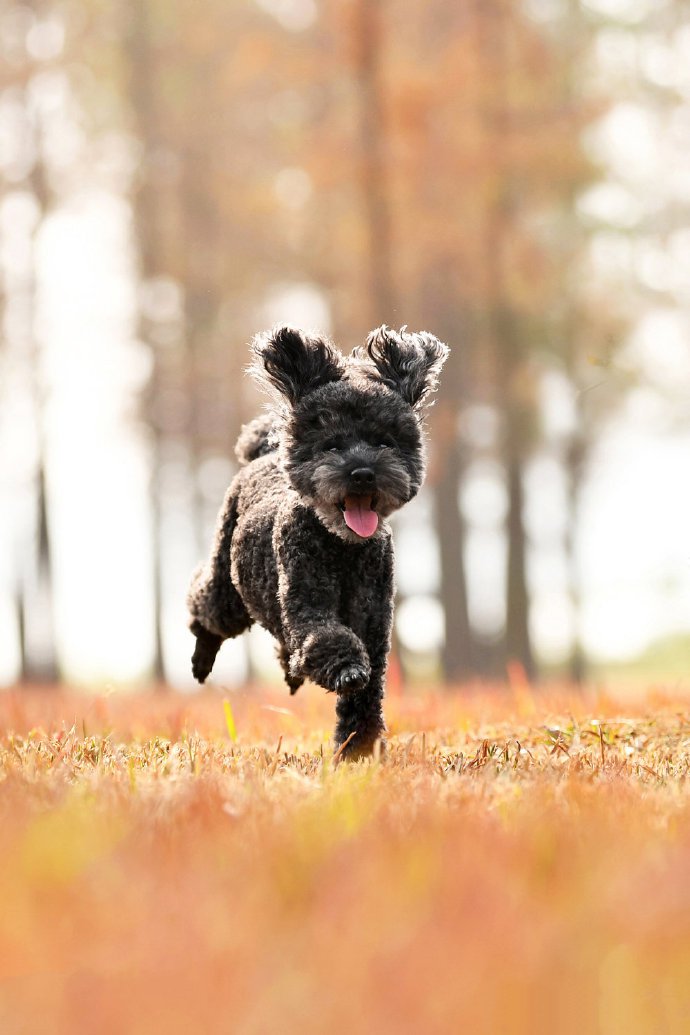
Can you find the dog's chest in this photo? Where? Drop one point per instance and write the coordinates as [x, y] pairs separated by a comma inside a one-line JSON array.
[[360, 591]]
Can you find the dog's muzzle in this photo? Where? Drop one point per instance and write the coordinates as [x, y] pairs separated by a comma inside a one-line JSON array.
[[365, 489], [359, 505]]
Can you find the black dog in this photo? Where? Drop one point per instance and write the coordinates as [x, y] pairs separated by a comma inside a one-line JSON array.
[[302, 544]]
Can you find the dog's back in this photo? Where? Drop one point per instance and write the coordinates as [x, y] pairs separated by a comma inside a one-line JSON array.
[[257, 438]]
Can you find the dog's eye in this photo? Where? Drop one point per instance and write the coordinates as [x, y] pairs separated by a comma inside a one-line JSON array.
[[333, 446]]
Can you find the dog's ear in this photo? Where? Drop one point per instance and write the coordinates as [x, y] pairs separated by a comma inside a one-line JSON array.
[[294, 363], [408, 363]]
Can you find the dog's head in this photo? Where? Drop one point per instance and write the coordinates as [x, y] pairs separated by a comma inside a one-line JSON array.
[[351, 428]]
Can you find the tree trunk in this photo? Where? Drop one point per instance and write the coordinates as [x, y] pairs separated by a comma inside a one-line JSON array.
[[38, 658], [518, 644], [507, 345], [515, 407], [373, 137], [458, 655], [34, 603], [574, 466], [158, 667], [142, 97]]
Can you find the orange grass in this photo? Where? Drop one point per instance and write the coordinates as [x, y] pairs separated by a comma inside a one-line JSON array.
[[518, 863]]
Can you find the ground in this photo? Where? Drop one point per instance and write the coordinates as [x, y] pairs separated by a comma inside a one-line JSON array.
[[518, 862]]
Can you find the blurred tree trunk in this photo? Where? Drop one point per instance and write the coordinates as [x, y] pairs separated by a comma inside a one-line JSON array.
[[575, 344], [574, 469], [35, 604], [505, 334], [458, 657], [518, 643], [514, 403], [576, 452], [141, 89], [516, 407], [373, 145]]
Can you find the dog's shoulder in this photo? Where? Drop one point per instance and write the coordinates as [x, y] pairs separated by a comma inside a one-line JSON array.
[[296, 519], [260, 480]]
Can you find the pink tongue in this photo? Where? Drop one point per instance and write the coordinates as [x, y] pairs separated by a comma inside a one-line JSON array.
[[360, 517]]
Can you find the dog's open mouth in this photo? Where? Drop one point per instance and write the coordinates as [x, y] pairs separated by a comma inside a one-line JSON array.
[[360, 514]]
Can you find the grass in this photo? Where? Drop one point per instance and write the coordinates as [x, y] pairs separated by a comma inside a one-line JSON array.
[[518, 863]]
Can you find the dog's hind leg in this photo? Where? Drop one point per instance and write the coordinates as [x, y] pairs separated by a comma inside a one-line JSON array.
[[293, 681], [205, 650], [216, 609]]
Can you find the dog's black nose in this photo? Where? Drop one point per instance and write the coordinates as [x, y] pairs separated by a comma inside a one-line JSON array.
[[363, 477]]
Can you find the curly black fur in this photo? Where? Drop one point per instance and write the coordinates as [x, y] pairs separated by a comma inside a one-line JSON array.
[[302, 544], [293, 363], [256, 439], [408, 363]]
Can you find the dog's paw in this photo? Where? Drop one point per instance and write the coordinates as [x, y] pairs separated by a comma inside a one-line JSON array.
[[207, 646], [294, 683], [201, 665], [352, 677]]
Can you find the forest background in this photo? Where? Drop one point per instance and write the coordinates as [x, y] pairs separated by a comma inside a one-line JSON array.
[[512, 175]]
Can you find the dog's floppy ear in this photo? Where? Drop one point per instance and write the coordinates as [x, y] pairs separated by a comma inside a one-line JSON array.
[[294, 363], [408, 363]]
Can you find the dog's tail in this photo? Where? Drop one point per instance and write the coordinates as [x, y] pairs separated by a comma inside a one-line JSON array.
[[256, 439]]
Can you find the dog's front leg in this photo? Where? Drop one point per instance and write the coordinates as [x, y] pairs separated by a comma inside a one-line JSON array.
[[360, 714], [330, 654], [321, 647]]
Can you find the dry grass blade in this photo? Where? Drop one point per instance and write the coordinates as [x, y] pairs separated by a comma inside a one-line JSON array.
[[339, 753]]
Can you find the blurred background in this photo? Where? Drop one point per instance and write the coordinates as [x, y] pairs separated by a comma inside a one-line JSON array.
[[512, 175]]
